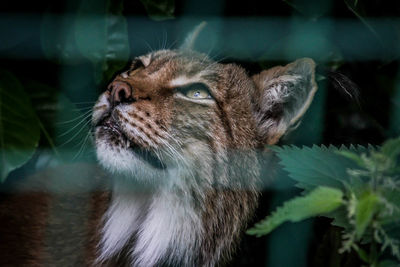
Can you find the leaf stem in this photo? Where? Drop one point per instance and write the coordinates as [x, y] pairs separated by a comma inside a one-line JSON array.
[[373, 253]]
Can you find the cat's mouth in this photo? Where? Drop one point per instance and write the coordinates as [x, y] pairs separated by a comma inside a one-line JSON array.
[[112, 128]]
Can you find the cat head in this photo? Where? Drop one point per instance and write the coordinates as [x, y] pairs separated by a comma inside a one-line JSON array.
[[178, 109]]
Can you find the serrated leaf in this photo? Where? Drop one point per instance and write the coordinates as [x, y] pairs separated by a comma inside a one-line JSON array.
[[320, 201], [101, 35], [339, 217], [357, 184], [317, 166], [353, 156], [19, 130], [366, 208]]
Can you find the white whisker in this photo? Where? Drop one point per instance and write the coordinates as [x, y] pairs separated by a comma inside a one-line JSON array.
[[82, 147], [77, 118], [76, 134]]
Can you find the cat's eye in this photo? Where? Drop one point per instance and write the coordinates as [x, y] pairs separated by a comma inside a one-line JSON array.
[[195, 91], [198, 93], [136, 64]]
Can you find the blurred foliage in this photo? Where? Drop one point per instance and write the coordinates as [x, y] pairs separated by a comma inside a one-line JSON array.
[[358, 187], [319, 201], [19, 130], [57, 38], [65, 127], [40, 120], [97, 31], [159, 9], [38, 112], [101, 36]]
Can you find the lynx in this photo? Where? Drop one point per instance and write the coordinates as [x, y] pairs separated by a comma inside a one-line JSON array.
[[180, 138], [190, 127]]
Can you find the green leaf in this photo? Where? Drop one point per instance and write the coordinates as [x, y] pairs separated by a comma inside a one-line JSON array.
[[362, 254], [340, 217], [19, 130], [391, 148], [392, 196], [366, 208], [316, 166], [353, 156], [390, 210], [320, 201], [101, 35], [159, 9]]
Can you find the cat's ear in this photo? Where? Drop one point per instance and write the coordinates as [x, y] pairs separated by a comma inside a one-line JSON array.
[[189, 42], [285, 93]]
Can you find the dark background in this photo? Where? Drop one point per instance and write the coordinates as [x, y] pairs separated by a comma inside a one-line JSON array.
[[360, 40]]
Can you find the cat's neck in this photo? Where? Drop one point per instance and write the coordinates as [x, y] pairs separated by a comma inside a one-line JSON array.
[[152, 223]]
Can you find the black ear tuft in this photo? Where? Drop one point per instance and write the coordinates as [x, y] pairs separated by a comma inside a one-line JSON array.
[[189, 42]]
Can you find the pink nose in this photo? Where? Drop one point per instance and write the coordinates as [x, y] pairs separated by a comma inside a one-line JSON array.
[[121, 92]]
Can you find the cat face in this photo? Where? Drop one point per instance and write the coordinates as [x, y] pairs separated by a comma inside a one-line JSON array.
[[176, 110]]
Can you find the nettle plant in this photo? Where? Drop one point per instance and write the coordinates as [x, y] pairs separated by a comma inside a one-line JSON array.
[[358, 187]]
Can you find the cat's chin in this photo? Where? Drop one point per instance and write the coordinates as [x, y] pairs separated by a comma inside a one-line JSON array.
[[129, 162]]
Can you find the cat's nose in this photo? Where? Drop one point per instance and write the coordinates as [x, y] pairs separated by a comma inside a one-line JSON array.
[[121, 92]]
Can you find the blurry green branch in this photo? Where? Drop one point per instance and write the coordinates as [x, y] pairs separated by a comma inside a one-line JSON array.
[[358, 187]]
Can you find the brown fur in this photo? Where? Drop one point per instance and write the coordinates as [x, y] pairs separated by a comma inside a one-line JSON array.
[[218, 140], [50, 218], [22, 235]]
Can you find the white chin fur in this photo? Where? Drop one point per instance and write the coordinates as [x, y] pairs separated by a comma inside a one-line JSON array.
[[124, 162], [166, 225]]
